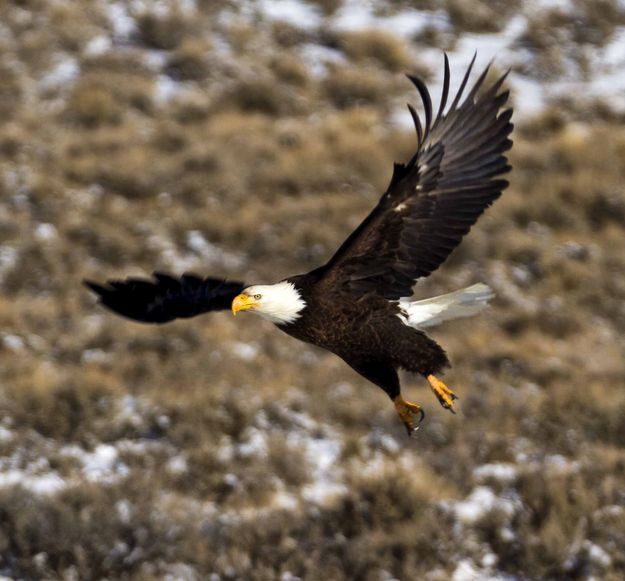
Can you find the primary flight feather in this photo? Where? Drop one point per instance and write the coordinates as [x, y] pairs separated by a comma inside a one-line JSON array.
[[358, 304]]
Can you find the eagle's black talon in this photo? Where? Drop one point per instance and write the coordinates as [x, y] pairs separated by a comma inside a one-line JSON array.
[[449, 407], [407, 412], [413, 429], [445, 396]]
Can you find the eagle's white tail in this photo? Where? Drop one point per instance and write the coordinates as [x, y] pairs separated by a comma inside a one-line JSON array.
[[461, 303]]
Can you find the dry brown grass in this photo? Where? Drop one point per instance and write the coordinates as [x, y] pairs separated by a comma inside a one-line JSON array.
[[215, 424], [190, 61], [474, 16], [347, 86], [164, 31], [383, 48]]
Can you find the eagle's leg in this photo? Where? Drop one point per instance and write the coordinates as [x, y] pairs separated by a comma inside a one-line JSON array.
[[383, 374], [445, 396], [407, 412]]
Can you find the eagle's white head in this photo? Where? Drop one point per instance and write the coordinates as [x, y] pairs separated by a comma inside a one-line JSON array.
[[279, 303]]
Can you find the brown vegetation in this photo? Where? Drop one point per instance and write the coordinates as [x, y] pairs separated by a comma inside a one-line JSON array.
[[199, 447]]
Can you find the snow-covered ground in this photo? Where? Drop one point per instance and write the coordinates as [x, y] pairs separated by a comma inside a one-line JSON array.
[[604, 78], [492, 495], [601, 78]]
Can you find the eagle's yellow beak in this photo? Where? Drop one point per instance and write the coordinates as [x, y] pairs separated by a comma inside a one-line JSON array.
[[242, 303]]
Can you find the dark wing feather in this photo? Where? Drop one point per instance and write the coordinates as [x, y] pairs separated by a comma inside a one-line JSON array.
[[434, 199], [165, 298]]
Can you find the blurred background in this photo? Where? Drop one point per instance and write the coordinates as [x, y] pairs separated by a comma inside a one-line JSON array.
[[246, 139]]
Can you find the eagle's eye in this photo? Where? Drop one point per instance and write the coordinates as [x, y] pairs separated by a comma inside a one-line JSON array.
[[258, 297]]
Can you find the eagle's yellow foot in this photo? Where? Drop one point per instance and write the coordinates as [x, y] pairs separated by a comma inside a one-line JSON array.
[[406, 411], [443, 393]]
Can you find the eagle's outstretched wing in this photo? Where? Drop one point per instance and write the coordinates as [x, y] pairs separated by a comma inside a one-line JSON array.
[[165, 298], [434, 199]]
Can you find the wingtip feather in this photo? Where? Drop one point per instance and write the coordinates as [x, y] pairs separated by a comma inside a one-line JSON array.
[[445, 90], [94, 286], [417, 124], [463, 84], [425, 98]]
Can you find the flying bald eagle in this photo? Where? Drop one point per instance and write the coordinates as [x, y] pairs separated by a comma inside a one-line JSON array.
[[358, 304]]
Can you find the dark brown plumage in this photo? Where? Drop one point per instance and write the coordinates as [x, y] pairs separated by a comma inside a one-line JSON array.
[[366, 333], [351, 306], [434, 199]]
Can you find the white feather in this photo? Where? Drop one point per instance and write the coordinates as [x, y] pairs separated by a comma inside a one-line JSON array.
[[279, 303], [434, 311]]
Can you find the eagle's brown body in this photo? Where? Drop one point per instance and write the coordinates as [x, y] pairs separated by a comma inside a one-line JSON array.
[[355, 305], [367, 334]]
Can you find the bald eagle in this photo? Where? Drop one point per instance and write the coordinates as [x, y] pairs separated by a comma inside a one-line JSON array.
[[358, 304]]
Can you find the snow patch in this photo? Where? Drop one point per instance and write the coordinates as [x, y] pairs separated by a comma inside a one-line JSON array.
[[95, 356], [284, 501], [122, 23], [597, 555], [43, 484], [317, 58], [45, 232], [467, 570], [294, 12], [203, 252], [97, 46], [13, 342], [177, 464], [8, 258], [359, 15], [130, 411], [166, 89], [321, 447], [5, 435], [322, 455], [502, 472], [557, 464], [124, 510], [210, 252], [101, 465], [63, 73], [481, 502], [256, 444], [245, 351]]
